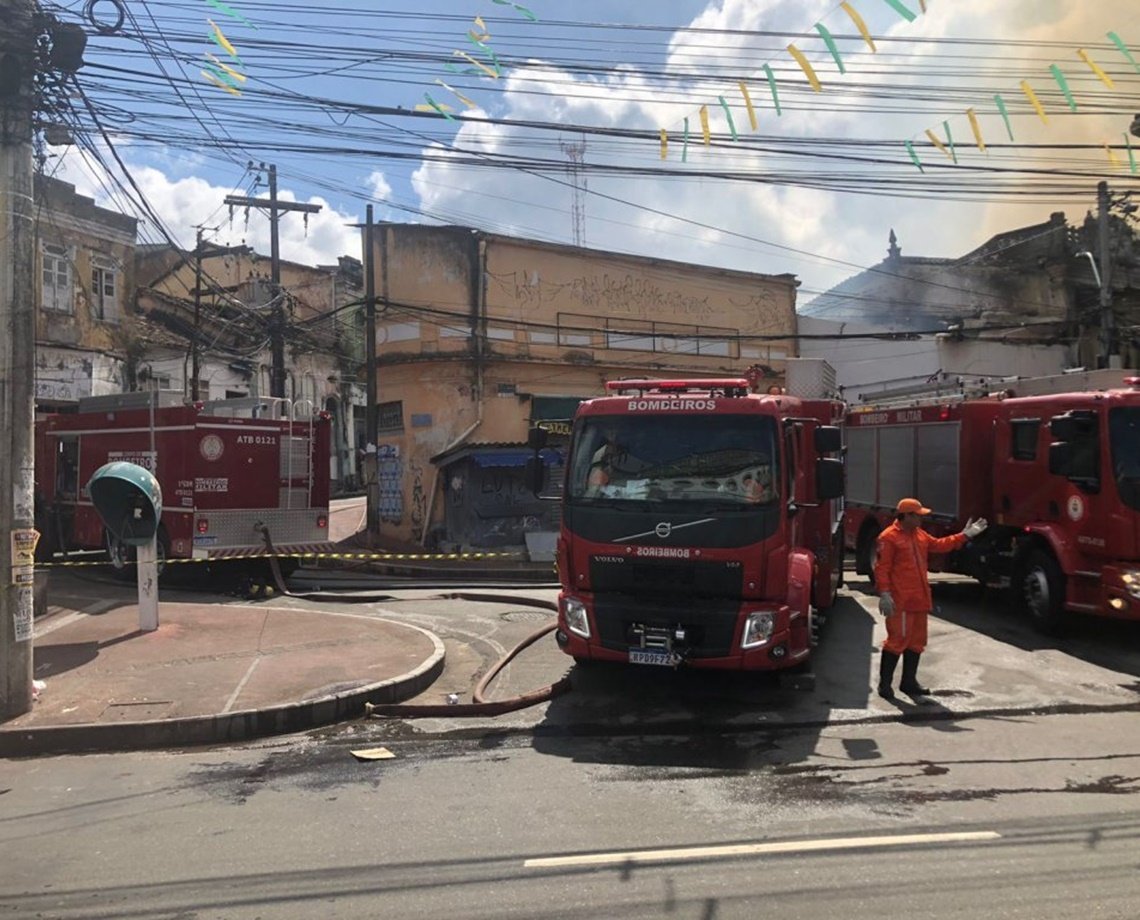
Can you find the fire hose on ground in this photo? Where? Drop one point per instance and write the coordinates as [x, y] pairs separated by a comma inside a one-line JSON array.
[[480, 705]]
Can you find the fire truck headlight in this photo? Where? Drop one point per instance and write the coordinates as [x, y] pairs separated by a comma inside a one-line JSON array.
[[758, 628], [576, 620], [1131, 580]]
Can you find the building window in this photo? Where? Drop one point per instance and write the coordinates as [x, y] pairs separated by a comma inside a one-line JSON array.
[[155, 382], [390, 416], [1023, 441], [104, 290], [57, 287]]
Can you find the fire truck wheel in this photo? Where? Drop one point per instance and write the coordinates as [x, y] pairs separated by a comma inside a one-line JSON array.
[[122, 557], [1043, 591]]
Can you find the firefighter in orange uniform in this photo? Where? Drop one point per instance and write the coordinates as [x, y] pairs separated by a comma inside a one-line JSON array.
[[904, 590]]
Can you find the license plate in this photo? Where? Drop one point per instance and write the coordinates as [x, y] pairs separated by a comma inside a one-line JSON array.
[[641, 656]]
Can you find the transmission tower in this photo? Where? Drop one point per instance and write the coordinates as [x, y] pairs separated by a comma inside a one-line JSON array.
[[576, 153]]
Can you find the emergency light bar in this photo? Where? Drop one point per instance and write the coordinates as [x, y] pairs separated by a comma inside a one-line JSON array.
[[728, 384]]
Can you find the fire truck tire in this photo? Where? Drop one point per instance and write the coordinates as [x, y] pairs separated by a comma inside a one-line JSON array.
[[122, 557], [1043, 591]]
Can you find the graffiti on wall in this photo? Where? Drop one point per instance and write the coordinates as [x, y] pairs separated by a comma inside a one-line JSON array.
[[390, 476], [418, 511], [627, 294]]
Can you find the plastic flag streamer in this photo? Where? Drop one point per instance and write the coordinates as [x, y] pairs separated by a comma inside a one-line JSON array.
[[1064, 84], [748, 106], [805, 65], [1101, 75], [853, 14], [1004, 114], [977, 129], [902, 9], [1034, 100], [224, 76], [491, 67], [1123, 49], [728, 116]]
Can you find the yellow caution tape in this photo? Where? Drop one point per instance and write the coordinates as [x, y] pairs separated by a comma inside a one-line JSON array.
[[359, 557]]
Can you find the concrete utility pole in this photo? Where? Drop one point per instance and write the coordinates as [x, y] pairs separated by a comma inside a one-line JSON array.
[[1106, 318], [197, 316], [17, 357], [372, 489], [277, 318]]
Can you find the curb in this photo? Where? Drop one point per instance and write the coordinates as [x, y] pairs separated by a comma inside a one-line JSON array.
[[243, 725]]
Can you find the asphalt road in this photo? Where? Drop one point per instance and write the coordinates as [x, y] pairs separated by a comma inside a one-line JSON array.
[[642, 793]]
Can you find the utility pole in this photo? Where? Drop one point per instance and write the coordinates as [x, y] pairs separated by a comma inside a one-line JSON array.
[[277, 317], [197, 317], [371, 423], [17, 357], [1107, 336]]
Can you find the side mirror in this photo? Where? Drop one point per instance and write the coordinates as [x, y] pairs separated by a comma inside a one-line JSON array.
[[129, 500], [828, 478], [828, 439], [536, 438], [535, 473]]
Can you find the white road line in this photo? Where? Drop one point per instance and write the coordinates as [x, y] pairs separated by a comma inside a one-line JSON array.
[[241, 685], [754, 849]]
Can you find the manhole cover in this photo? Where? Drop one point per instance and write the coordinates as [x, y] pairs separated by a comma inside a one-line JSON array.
[[527, 616]]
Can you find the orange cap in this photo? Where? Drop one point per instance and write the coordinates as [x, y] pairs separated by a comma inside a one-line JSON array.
[[911, 506]]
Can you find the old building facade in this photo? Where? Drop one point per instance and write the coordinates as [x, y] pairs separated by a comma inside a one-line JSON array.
[[219, 302], [1027, 302], [479, 336], [83, 287]]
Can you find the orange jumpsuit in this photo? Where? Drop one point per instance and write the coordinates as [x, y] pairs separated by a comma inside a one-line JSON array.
[[901, 569]]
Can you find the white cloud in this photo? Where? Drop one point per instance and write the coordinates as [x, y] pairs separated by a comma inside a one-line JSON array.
[[850, 227], [182, 204]]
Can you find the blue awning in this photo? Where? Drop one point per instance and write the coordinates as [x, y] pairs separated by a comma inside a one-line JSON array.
[[513, 458]]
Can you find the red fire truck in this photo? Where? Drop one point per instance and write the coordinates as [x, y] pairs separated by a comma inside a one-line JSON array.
[[700, 525], [225, 468], [1053, 463]]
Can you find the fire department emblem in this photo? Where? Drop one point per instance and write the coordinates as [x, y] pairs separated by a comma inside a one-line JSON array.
[[211, 447], [1076, 507]]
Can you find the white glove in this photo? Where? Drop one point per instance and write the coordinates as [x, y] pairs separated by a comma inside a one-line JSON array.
[[973, 528], [886, 604]]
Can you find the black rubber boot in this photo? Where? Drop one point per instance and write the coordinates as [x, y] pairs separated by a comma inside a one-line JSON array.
[[910, 685], [886, 673]]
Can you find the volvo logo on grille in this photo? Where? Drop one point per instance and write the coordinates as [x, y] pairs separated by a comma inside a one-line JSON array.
[[663, 529]]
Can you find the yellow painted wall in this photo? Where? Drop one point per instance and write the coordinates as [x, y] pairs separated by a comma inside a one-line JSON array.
[[470, 325]]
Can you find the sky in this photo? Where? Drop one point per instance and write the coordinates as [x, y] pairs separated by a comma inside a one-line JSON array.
[[330, 98]]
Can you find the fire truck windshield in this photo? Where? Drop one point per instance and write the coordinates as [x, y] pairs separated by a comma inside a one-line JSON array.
[[1124, 437], [729, 460]]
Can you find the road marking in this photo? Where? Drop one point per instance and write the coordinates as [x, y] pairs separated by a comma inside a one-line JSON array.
[[754, 849], [241, 685]]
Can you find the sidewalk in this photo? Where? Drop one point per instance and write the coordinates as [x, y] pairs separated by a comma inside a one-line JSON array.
[[210, 673]]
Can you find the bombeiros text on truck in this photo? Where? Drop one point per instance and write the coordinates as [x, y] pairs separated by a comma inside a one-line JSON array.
[[1053, 463], [700, 524], [227, 469]]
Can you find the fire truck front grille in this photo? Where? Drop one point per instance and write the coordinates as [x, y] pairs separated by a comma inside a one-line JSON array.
[[633, 596], [708, 623]]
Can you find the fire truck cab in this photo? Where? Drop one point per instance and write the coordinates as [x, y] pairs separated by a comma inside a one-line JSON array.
[[1052, 463], [700, 525]]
